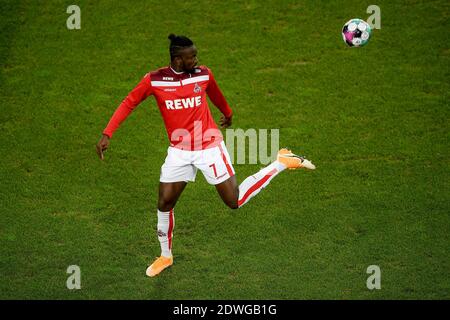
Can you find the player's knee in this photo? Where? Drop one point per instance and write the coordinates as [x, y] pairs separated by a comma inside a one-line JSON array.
[[165, 205], [233, 205]]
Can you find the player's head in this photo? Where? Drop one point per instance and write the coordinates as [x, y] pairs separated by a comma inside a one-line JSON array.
[[183, 53]]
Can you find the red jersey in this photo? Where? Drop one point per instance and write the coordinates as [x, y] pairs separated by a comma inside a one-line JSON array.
[[181, 98]]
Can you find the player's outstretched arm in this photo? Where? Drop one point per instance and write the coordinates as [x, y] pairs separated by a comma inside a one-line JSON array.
[[102, 145]]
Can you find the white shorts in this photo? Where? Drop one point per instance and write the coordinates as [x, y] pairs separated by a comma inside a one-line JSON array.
[[182, 165]]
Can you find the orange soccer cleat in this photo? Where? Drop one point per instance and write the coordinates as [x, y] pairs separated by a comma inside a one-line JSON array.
[[292, 161], [159, 265]]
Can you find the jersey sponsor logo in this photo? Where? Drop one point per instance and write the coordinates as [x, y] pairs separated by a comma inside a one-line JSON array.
[[184, 103], [197, 88], [168, 78]]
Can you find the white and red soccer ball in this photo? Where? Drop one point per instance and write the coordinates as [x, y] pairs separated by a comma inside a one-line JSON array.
[[356, 32]]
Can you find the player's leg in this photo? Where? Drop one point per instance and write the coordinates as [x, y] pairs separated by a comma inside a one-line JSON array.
[[229, 192], [175, 173], [168, 196], [235, 197]]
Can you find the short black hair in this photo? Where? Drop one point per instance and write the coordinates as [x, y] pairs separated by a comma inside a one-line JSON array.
[[178, 43]]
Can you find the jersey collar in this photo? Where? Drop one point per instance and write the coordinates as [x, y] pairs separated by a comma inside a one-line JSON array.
[[175, 71]]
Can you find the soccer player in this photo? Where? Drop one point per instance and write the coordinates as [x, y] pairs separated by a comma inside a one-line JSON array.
[[196, 143]]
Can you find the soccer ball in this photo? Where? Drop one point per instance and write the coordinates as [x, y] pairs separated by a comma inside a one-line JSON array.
[[356, 32]]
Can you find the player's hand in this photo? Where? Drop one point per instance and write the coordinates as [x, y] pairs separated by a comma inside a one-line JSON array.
[[102, 145], [225, 122]]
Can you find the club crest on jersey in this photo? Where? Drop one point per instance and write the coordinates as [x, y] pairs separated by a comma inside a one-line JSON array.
[[197, 88]]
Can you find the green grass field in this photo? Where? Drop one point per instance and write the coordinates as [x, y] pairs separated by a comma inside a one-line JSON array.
[[375, 121]]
